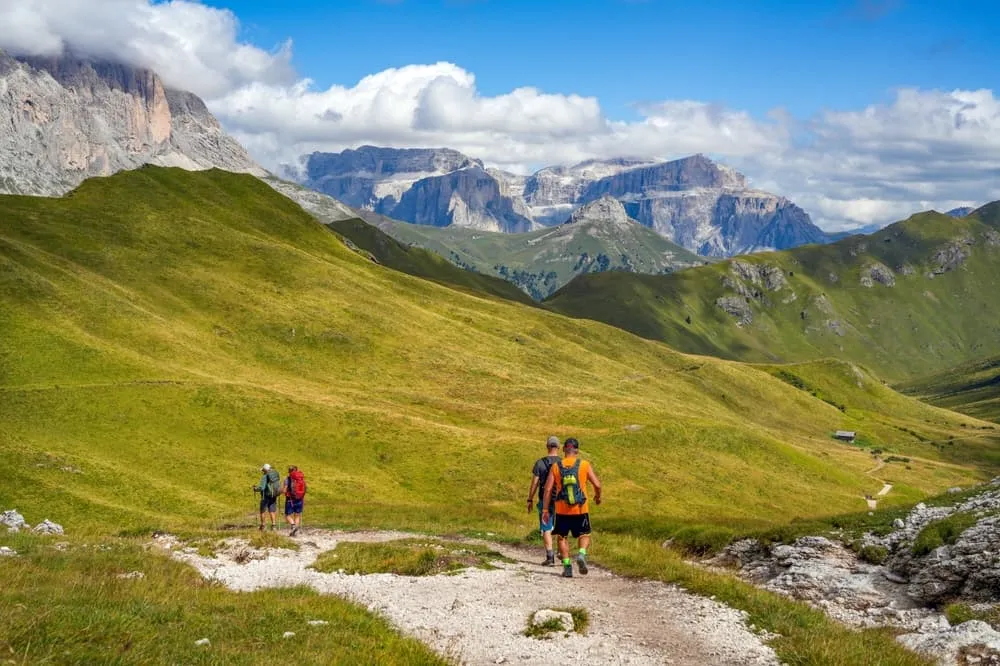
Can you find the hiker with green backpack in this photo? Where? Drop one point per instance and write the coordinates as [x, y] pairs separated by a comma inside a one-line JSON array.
[[568, 480], [269, 488]]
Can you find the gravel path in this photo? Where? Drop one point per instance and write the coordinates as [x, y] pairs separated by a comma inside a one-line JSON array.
[[478, 616]]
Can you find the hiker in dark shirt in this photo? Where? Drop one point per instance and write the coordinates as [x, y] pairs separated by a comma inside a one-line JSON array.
[[269, 489], [539, 475]]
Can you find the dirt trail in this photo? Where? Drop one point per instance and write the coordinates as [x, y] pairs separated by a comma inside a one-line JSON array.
[[478, 616], [886, 487]]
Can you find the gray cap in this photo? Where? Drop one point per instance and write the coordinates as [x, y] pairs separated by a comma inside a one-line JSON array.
[[553, 442]]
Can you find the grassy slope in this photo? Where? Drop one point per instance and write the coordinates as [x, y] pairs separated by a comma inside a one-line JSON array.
[[542, 261], [177, 330], [165, 332], [918, 326], [423, 263], [972, 388]]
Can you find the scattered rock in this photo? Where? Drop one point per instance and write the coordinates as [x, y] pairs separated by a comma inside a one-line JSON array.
[[633, 427], [564, 619], [954, 490], [132, 575], [202, 641], [952, 255], [48, 527], [947, 645], [877, 272], [7, 552], [737, 307], [898, 523], [769, 276], [288, 634], [317, 623], [13, 521]]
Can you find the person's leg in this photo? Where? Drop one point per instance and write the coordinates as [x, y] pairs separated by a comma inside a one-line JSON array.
[[546, 529], [583, 543]]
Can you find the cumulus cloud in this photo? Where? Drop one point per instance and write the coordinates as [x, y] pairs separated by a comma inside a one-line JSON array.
[[920, 149], [192, 46]]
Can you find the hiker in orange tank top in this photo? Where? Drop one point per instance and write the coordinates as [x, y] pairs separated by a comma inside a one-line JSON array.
[[568, 482]]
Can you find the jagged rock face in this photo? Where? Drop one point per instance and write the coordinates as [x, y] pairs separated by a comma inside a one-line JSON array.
[[553, 191], [70, 119], [606, 210], [464, 198], [694, 202], [436, 187]]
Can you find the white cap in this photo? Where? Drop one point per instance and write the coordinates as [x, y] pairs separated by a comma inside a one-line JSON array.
[[266, 467]]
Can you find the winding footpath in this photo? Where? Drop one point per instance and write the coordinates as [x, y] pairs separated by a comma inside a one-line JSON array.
[[479, 616]]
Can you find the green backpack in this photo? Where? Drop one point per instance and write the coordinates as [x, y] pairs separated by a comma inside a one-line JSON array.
[[273, 483], [572, 490]]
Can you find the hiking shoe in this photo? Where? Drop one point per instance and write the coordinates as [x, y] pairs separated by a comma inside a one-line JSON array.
[[567, 571], [549, 562], [261, 528], [295, 530], [581, 563]]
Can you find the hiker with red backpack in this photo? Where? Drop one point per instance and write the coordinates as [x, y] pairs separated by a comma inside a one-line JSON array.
[[295, 493]]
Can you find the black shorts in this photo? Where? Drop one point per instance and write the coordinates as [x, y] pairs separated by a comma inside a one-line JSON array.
[[268, 504], [578, 525]]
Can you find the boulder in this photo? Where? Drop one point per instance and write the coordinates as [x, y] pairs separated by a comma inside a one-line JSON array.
[[48, 527], [948, 645], [565, 620], [13, 521]]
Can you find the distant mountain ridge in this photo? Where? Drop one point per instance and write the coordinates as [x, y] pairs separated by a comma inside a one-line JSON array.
[[69, 118], [702, 206]]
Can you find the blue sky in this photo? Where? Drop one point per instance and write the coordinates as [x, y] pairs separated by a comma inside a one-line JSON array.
[[753, 55], [860, 111]]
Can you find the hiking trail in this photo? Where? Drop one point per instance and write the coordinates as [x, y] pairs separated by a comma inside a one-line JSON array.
[[478, 616], [886, 487]]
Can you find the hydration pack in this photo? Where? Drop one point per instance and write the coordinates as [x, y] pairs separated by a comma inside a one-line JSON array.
[[572, 487]]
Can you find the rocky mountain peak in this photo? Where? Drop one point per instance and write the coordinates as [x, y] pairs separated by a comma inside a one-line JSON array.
[[70, 118], [380, 163], [606, 210]]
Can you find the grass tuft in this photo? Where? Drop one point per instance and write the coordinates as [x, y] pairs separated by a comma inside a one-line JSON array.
[[410, 557], [942, 532]]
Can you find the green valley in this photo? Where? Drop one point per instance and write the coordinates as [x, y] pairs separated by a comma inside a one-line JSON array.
[[972, 388], [906, 301], [167, 332]]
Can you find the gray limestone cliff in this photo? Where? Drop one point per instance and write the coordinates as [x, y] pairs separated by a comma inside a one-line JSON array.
[[694, 202], [68, 119], [436, 187]]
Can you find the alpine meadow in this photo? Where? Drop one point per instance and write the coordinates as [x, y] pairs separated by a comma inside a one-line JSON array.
[[464, 351]]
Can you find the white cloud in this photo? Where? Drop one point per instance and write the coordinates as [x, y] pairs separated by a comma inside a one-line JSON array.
[[918, 150], [190, 45]]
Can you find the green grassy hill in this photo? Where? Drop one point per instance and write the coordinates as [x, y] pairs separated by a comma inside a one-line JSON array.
[[422, 263], [912, 299], [169, 325], [167, 332], [972, 388], [539, 262]]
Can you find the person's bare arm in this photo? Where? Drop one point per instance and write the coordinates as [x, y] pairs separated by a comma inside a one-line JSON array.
[[550, 483], [594, 481], [531, 491]]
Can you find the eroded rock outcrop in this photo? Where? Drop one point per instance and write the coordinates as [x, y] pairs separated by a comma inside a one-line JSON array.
[[68, 119], [904, 590]]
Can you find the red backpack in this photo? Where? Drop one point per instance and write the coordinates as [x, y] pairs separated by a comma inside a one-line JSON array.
[[296, 485]]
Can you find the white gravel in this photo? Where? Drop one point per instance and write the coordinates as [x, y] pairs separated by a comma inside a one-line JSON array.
[[478, 615]]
